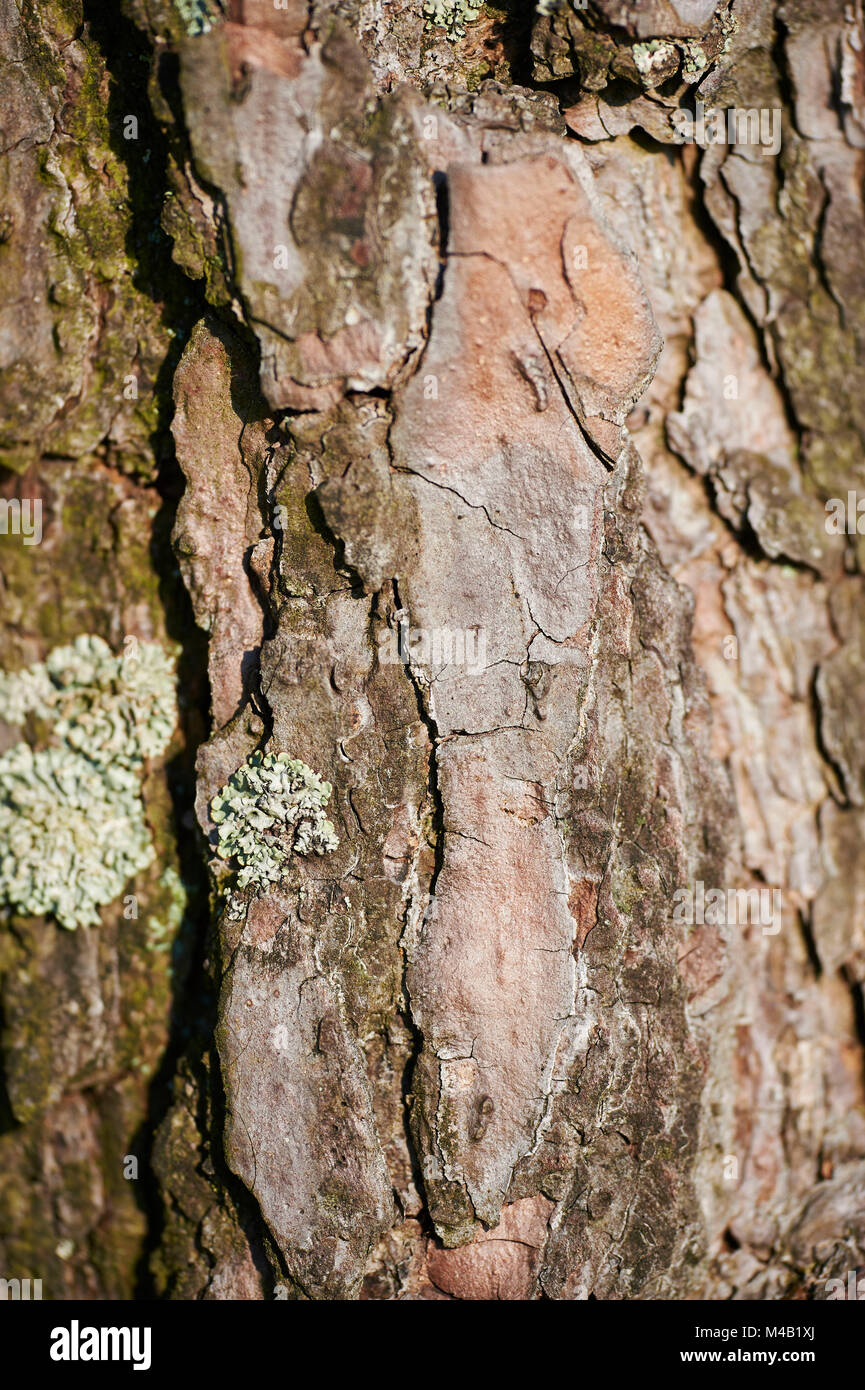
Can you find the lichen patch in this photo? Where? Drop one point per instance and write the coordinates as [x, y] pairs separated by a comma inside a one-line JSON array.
[[272, 807], [72, 824]]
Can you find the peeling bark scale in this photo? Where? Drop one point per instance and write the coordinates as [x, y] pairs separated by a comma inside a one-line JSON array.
[[467, 428]]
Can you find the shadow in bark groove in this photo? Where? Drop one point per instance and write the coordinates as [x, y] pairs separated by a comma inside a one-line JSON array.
[[127, 55]]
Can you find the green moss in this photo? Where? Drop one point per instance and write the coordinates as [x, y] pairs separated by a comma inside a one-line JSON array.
[[626, 891], [101, 303], [452, 1212]]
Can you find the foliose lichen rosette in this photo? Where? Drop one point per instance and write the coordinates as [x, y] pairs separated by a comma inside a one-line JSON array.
[[72, 825], [272, 807]]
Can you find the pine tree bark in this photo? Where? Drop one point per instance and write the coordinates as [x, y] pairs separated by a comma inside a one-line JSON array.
[[470, 433]]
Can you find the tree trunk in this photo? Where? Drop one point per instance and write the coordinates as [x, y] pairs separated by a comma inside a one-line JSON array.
[[465, 397]]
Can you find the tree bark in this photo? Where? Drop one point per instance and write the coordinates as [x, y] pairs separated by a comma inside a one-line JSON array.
[[468, 428]]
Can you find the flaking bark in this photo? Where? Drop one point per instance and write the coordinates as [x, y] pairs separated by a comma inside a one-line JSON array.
[[458, 340]]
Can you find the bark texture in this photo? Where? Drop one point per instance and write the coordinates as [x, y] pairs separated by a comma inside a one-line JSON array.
[[466, 434]]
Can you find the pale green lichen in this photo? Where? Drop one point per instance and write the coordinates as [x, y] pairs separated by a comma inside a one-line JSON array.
[[73, 833], [694, 60], [196, 16], [271, 807], [72, 825], [648, 57], [108, 707], [451, 15], [162, 931]]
